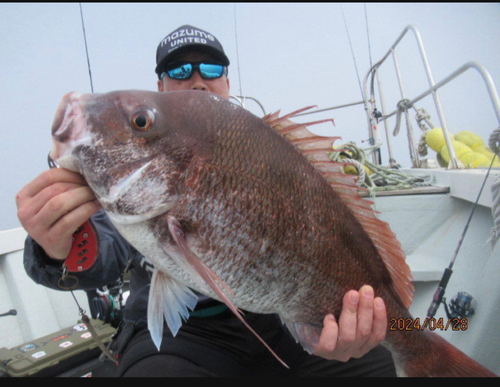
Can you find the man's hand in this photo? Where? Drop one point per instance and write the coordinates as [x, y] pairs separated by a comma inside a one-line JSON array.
[[362, 326], [53, 206]]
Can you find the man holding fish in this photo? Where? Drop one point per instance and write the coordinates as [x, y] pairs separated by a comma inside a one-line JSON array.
[[212, 342]]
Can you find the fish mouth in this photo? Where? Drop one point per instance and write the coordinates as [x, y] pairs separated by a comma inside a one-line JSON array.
[[64, 116], [68, 130], [68, 115]]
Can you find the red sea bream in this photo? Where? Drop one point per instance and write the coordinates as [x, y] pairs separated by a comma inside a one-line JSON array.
[[249, 211]]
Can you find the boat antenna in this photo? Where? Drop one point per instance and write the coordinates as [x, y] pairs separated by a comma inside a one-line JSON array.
[[237, 51], [86, 48], [371, 140], [352, 51], [368, 37], [439, 294]]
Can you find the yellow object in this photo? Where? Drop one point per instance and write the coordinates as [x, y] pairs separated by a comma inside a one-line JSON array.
[[435, 139], [471, 150], [470, 139], [350, 169], [475, 160], [460, 150], [483, 149]]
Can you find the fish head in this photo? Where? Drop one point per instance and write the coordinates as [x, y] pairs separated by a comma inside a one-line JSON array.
[[127, 146]]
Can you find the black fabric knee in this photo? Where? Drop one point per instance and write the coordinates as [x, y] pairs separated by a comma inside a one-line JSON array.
[[376, 363], [209, 347], [161, 365], [142, 358]]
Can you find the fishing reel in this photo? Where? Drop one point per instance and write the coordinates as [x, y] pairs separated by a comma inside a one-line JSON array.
[[107, 304], [460, 306]]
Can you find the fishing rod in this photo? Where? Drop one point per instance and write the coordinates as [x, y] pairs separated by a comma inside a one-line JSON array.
[[86, 48], [463, 300]]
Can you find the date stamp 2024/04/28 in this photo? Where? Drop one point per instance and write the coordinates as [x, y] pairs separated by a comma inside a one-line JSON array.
[[440, 324]]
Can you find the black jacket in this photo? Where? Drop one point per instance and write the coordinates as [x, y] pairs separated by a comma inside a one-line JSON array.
[[115, 254]]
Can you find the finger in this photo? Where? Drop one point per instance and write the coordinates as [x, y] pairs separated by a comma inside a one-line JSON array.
[[365, 314], [328, 337], [34, 195], [40, 212], [51, 200], [57, 240], [348, 318], [67, 224], [346, 344], [63, 203], [48, 178], [379, 326]]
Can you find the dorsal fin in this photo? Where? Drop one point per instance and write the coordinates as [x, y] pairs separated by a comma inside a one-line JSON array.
[[274, 119], [308, 143], [292, 130], [315, 149]]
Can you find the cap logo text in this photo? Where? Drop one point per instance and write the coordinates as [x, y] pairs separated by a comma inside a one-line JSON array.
[[187, 36]]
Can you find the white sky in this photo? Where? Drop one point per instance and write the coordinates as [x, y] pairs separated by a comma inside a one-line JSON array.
[[288, 56]]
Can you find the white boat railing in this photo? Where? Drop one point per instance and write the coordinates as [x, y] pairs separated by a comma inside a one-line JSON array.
[[241, 100], [405, 103]]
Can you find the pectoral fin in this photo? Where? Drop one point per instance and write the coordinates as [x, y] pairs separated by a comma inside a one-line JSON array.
[[168, 299], [196, 265]]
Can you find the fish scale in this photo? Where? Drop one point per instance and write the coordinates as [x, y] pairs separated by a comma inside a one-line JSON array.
[[249, 211], [268, 195]]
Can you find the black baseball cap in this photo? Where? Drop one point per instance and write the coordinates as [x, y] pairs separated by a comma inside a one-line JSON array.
[[187, 38]]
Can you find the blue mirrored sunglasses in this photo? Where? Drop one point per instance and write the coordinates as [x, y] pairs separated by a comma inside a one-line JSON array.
[[184, 70]]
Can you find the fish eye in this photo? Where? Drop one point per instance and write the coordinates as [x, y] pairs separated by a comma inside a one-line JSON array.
[[142, 120]]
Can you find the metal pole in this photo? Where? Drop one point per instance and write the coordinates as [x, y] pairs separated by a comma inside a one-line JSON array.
[[437, 103]]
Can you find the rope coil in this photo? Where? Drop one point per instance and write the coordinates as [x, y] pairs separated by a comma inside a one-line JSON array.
[[494, 144], [494, 141], [382, 178], [423, 118]]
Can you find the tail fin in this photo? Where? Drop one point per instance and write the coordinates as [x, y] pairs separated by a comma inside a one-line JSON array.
[[434, 356]]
